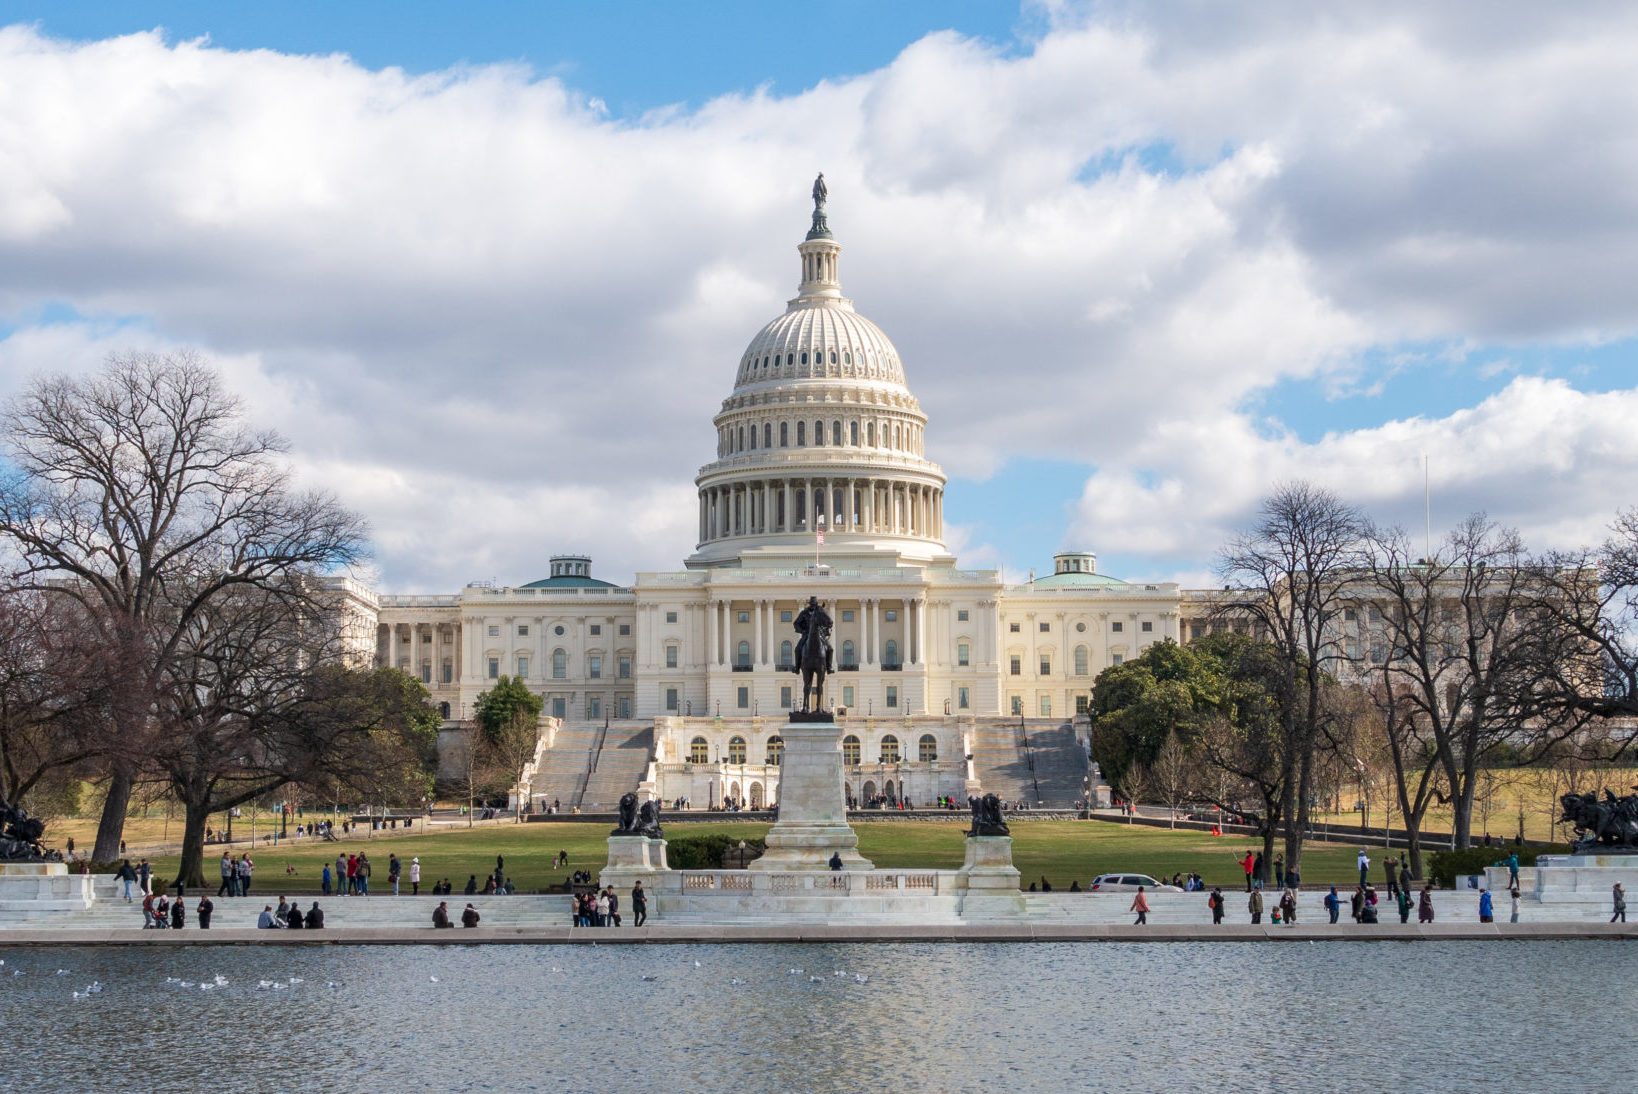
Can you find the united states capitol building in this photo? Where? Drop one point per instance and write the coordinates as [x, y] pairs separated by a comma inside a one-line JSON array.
[[949, 681]]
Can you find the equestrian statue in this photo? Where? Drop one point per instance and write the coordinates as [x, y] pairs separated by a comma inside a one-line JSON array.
[[814, 656]]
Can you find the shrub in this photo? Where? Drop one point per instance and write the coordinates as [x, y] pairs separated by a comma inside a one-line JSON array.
[[1444, 867], [708, 852]]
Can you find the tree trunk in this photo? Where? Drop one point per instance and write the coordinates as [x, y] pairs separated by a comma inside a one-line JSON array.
[[111, 825], [1413, 843], [191, 870], [1462, 817]]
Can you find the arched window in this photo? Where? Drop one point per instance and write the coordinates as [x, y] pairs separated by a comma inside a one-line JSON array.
[[776, 751], [819, 433], [560, 665], [764, 360], [742, 438], [742, 657], [767, 434], [850, 659], [443, 710], [850, 750], [753, 435], [928, 748], [833, 357], [804, 357], [736, 750], [890, 749], [801, 434], [872, 431], [784, 434], [847, 357], [699, 751], [836, 433], [790, 358], [853, 434], [890, 653], [785, 654], [1080, 661]]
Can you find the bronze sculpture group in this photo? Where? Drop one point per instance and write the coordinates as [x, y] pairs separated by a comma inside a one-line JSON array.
[[20, 836], [1608, 825], [638, 820]]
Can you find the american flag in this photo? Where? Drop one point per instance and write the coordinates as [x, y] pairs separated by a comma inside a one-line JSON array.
[[821, 538]]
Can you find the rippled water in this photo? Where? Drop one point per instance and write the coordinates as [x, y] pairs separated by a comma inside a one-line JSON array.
[[999, 1018]]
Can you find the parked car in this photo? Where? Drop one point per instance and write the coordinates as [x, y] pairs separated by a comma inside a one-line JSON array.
[[1128, 883]]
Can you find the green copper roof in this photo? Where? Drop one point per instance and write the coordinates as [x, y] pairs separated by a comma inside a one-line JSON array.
[[568, 582]]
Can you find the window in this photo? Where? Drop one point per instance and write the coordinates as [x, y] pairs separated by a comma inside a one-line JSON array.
[[560, 665], [743, 617], [835, 427], [847, 697], [671, 699], [625, 706], [494, 632], [767, 434], [784, 434], [853, 433], [890, 747], [892, 697], [1016, 664], [785, 616], [625, 629], [443, 710], [776, 751], [1146, 627], [523, 630], [523, 665], [1081, 661], [891, 615], [623, 669], [1117, 627], [742, 656], [1083, 704], [850, 658], [785, 654], [558, 630], [670, 617], [850, 749], [1117, 658], [494, 668], [963, 654], [1046, 628], [1013, 628], [785, 697], [736, 748], [801, 434], [1018, 704], [594, 666], [449, 672], [847, 615], [1046, 706], [819, 433], [699, 752], [1350, 615], [560, 708], [594, 707], [890, 655], [743, 698], [426, 672], [1080, 628], [596, 628], [1046, 665], [961, 615], [671, 657], [963, 699]]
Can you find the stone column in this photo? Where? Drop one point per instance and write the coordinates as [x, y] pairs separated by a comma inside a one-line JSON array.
[[875, 630], [711, 634], [756, 641]]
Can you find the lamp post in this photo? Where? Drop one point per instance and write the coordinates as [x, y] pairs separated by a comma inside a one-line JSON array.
[[742, 854]]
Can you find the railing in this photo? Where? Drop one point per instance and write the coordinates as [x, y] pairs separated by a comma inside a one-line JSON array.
[[920, 882], [892, 668]]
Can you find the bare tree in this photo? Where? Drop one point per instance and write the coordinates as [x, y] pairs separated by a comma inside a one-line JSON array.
[[140, 494], [53, 698], [1289, 574], [1135, 783], [1172, 772]]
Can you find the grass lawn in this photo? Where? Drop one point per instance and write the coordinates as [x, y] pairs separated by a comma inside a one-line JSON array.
[[1060, 850]]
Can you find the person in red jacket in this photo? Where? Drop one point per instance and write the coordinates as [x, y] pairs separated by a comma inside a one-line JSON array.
[[1246, 864]]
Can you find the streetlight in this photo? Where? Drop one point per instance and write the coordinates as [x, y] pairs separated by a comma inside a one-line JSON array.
[[742, 854]]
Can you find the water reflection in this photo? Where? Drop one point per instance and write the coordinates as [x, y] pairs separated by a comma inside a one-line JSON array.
[[940, 1017]]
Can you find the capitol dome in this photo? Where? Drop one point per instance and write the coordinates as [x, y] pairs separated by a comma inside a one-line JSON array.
[[820, 434]]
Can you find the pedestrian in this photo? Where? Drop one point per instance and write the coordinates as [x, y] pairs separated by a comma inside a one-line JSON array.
[[245, 868], [1333, 903], [470, 917], [1391, 868], [363, 874], [1215, 903], [1356, 903], [600, 914], [1404, 899], [1487, 908], [1247, 863], [1424, 905], [1513, 895], [471, 884], [1620, 901], [127, 878], [440, 915], [229, 882], [1279, 871], [1140, 905], [614, 906], [1288, 906], [315, 917], [179, 914], [1512, 869], [394, 870], [639, 905], [206, 909], [415, 876], [1404, 872], [1255, 905], [341, 874], [1364, 862], [324, 880], [145, 875]]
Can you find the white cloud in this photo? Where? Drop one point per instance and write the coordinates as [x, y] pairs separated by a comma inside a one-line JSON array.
[[499, 322]]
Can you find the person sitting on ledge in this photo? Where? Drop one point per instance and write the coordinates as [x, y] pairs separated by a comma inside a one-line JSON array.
[[471, 884], [440, 915], [293, 918], [266, 921], [315, 917], [836, 860], [470, 917]]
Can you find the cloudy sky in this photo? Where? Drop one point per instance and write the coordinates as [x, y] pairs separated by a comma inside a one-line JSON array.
[[492, 278]]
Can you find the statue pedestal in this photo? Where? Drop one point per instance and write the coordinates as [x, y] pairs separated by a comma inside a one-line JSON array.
[[44, 887], [633, 858], [812, 824], [1585, 878], [990, 878]]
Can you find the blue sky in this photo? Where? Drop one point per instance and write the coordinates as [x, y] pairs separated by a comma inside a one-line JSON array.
[[1142, 263]]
